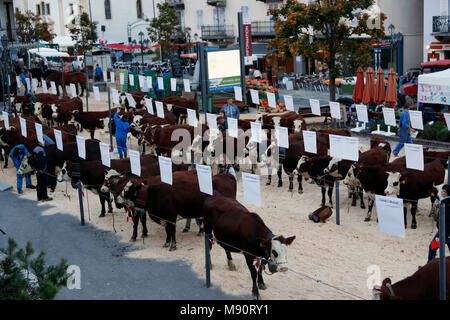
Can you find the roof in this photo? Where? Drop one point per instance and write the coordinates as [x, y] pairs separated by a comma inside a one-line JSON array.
[[436, 63], [441, 78], [261, 49]]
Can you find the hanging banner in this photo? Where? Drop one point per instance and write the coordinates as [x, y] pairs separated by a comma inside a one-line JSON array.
[[211, 119], [159, 109], [204, 176], [390, 215], [232, 127], [135, 161], [344, 147], [104, 152], [248, 48], [414, 156], [335, 110], [96, 93], [131, 77], [283, 137], [165, 168], [252, 192], [271, 99], [81, 145], [58, 138], [160, 83], [289, 102], [105, 76], [173, 84], [115, 95], [39, 133], [149, 105], [310, 141], [389, 117], [238, 93], [255, 96], [192, 117], [6, 119], [416, 119], [256, 131], [361, 112], [315, 107], [187, 85], [23, 126]]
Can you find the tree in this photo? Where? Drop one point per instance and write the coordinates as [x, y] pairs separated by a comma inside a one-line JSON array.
[[336, 32], [166, 27], [31, 28], [83, 31], [23, 278]]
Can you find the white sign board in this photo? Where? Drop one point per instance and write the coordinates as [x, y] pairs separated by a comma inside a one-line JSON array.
[[149, 105], [211, 120], [149, 82], [160, 83], [289, 102], [414, 156], [159, 109], [283, 137], [252, 192], [315, 107], [96, 93], [73, 90], [112, 75], [232, 127], [289, 85], [6, 119], [173, 84], [255, 96], [238, 93], [39, 133], [271, 99], [58, 138], [344, 147], [53, 85], [81, 145], [256, 131], [192, 117], [390, 215], [204, 176], [135, 161], [389, 117], [19, 82], [310, 141], [105, 76], [34, 84], [121, 79], [131, 77], [187, 85], [23, 126], [361, 111], [27, 82], [447, 120], [335, 110], [416, 119], [44, 86], [115, 95], [131, 100], [141, 82], [104, 151], [165, 168]]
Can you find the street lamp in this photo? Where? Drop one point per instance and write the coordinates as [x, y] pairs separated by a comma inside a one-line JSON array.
[[141, 41], [4, 41], [392, 30]]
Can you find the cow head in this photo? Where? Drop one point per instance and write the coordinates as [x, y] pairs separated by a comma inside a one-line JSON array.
[[351, 179], [259, 118], [70, 172], [303, 166], [333, 168], [394, 181], [384, 292], [122, 98], [276, 252], [129, 193], [169, 107], [137, 120], [54, 111], [298, 126], [25, 166], [38, 108], [108, 176]]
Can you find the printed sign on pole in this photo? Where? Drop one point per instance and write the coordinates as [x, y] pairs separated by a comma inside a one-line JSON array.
[[173, 84], [44, 86], [149, 105], [112, 76], [272, 100], [104, 151], [416, 119], [238, 93], [256, 131], [34, 84], [53, 85], [390, 215], [159, 109], [414, 156], [135, 161], [58, 138], [211, 119], [6, 119], [115, 95], [39, 133], [73, 90], [389, 117], [96, 93], [131, 77], [361, 111], [149, 82], [289, 85], [232, 127], [131, 100], [283, 137], [23, 126], [81, 145], [121, 79], [315, 107], [255, 96], [344, 147], [192, 117], [251, 184], [447, 120], [165, 168], [204, 176], [160, 83], [335, 110], [142, 82], [187, 85], [105, 76], [310, 141], [289, 102]]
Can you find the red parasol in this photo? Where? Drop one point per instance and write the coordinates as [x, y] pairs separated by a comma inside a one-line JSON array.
[[369, 89], [359, 87], [391, 92], [380, 90]]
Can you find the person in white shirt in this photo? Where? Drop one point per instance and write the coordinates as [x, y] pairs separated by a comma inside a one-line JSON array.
[[257, 74]]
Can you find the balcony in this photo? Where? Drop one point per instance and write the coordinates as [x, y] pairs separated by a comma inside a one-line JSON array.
[[263, 29], [441, 28], [216, 33], [177, 4], [217, 3]]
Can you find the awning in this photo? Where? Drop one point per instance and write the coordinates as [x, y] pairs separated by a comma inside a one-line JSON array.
[[433, 87], [260, 50]]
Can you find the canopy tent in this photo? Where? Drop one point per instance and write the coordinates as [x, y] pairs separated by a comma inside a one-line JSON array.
[[64, 41], [47, 52], [435, 88]]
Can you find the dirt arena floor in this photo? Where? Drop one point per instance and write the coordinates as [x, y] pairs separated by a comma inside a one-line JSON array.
[[338, 256]]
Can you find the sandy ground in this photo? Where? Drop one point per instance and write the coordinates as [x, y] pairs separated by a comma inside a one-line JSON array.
[[337, 255]]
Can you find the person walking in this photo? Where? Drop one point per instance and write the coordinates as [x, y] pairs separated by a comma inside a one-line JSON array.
[[17, 154], [404, 130], [23, 81], [122, 129], [434, 245], [98, 73], [231, 110], [40, 165]]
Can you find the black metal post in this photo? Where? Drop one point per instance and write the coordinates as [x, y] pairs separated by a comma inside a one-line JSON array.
[[87, 83], [203, 78], [338, 214], [207, 260], [62, 75], [442, 259], [8, 79], [242, 53], [80, 198]]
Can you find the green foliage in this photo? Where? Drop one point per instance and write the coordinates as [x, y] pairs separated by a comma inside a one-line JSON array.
[[428, 133], [15, 282], [83, 31], [443, 135], [439, 126], [30, 27]]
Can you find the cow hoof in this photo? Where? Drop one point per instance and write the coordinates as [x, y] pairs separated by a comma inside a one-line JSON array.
[[291, 191], [268, 183], [255, 296], [133, 239], [144, 236], [280, 184], [173, 247], [231, 266], [166, 245], [414, 226], [363, 206], [200, 233], [185, 230], [353, 204], [300, 191], [322, 204], [262, 286], [110, 210], [102, 215], [367, 219], [330, 205]]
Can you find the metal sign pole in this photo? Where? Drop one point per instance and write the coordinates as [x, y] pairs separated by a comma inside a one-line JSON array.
[[207, 260], [242, 52], [203, 79], [110, 124], [442, 259], [338, 216]]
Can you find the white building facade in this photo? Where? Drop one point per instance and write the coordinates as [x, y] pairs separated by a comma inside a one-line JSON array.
[[436, 19], [7, 24]]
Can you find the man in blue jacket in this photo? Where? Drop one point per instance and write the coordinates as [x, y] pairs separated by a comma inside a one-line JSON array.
[[403, 130], [122, 129], [17, 154]]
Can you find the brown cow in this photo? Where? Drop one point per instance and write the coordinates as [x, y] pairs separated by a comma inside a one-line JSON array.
[[77, 78]]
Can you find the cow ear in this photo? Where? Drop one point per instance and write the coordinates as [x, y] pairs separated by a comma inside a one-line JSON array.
[[386, 282], [289, 240]]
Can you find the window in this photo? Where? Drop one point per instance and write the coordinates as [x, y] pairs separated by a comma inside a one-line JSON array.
[[107, 9], [43, 8], [38, 9], [139, 9], [48, 8], [199, 19], [71, 8]]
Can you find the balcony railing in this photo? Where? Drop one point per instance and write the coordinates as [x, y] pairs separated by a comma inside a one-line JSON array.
[[177, 4], [263, 29], [217, 3], [441, 24], [217, 32]]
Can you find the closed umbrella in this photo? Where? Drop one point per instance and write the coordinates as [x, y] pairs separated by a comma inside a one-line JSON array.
[[359, 87], [380, 90], [391, 92], [369, 89]]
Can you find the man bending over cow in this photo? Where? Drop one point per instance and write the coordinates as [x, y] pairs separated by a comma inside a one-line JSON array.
[[17, 154], [40, 165], [122, 129]]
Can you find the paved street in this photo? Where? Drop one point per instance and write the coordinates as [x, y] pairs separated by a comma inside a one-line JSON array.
[[106, 272]]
